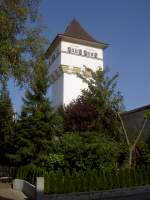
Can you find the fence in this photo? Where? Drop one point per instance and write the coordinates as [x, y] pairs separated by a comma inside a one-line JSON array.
[[6, 171]]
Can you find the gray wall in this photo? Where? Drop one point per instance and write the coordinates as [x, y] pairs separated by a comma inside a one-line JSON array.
[[133, 121], [28, 189]]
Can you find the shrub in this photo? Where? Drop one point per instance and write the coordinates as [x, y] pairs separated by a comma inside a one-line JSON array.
[[82, 152]]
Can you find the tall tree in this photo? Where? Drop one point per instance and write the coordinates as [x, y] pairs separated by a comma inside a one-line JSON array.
[[38, 122], [6, 123], [96, 108], [20, 37]]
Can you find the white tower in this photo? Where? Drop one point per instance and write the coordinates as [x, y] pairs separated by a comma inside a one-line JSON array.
[[70, 53]]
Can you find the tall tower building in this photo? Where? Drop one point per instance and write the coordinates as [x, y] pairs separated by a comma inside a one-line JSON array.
[[71, 53]]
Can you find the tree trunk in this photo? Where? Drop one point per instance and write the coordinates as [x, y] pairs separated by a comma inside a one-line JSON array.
[[131, 148]]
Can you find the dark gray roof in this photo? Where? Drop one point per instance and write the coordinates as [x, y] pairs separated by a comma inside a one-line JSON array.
[[74, 29], [75, 33], [144, 108]]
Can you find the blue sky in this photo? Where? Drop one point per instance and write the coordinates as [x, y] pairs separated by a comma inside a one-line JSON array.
[[124, 24]]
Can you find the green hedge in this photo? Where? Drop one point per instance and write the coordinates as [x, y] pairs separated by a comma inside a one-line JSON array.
[[29, 173], [89, 180]]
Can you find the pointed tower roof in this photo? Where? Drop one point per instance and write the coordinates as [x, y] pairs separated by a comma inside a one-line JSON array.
[[75, 33], [75, 30]]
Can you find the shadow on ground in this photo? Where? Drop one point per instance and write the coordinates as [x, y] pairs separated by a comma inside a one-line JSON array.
[[4, 198]]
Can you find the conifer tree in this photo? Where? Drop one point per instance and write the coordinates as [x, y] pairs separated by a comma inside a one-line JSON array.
[[38, 122], [6, 123]]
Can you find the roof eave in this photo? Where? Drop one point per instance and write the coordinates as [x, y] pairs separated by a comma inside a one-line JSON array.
[[52, 46], [66, 38], [85, 42], [143, 108]]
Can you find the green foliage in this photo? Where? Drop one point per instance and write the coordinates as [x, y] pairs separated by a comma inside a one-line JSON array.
[[96, 109], [143, 157], [21, 47], [147, 114], [30, 172], [38, 122], [71, 146], [103, 152], [20, 42], [22, 57], [82, 152], [84, 181], [6, 124], [54, 161]]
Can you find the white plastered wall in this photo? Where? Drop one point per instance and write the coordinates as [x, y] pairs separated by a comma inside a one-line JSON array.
[[73, 86], [69, 86], [81, 61], [57, 90]]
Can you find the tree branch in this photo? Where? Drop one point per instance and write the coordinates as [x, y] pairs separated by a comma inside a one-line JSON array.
[[124, 130], [140, 133]]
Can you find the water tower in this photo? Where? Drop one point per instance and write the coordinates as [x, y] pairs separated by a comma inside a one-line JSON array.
[[71, 53]]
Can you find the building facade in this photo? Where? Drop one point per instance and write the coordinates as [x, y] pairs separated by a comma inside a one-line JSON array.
[[70, 54], [133, 122]]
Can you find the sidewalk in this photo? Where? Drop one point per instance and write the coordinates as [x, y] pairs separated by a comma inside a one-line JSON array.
[[7, 193]]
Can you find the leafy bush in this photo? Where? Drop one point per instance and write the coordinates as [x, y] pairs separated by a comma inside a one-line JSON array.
[[88, 151], [29, 173], [96, 109]]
